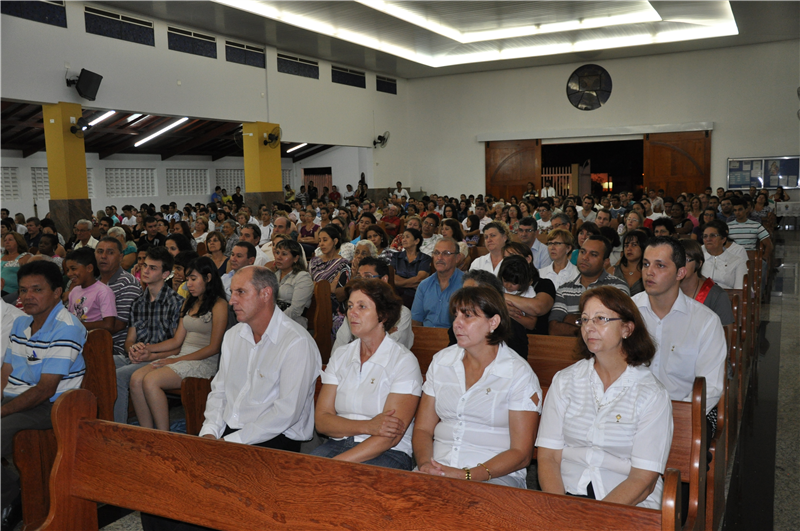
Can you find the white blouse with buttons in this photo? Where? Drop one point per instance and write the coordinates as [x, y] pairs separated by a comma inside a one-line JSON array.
[[603, 434], [474, 423], [362, 390]]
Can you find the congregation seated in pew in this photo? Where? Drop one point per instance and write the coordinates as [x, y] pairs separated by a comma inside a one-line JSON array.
[[606, 426], [371, 386], [432, 297], [296, 286]]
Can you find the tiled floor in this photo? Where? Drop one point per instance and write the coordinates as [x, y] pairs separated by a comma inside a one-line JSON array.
[[765, 483]]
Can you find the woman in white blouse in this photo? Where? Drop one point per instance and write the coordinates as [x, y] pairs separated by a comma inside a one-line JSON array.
[[722, 265], [371, 387], [606, 427], [495, 236], [560, 243], [481, 401]]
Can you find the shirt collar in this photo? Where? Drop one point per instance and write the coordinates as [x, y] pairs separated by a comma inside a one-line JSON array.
[[681, 304], [502, 366], [379, 357], [115, 276]]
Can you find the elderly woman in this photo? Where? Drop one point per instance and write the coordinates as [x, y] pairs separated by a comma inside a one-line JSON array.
[[371, 386], [560, 243], [481, 402], [412, 222], [629, 268], [606, 427], [231, 238], [15, 256], [410, 265], [295, 285], [364, 248], [633, 220], [495, 236], [128, 248], [705, 290], [721, 265]]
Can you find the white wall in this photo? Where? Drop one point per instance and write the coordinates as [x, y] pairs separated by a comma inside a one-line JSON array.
[[749, 92], [346, 163], [100, 199]]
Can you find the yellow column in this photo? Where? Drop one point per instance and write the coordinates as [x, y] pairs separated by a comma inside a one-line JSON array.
[[262, 164], [66, 153]]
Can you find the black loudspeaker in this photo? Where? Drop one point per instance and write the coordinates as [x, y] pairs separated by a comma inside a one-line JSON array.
[[87, 84]]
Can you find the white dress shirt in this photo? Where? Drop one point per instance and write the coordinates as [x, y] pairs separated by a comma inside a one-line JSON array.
[[11, 312], [264, 389], [362, 389], [737, 250], [690, 342], [567, 274], [403, 335], [428, 244], [601, 444], [485, 263], [266, 233], [474, 424], [727, 269], [261, 258]]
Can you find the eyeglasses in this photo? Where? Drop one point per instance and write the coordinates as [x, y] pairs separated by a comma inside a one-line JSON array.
[[446, 254], [527, 230], [598, 321], [710, 236], [368, 276]]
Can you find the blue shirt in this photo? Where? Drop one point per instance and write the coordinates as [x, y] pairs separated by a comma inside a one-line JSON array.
[[541, 257], [432, 305], [56, 348]]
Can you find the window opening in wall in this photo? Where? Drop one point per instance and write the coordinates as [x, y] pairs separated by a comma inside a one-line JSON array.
[[182, 181], [245, 54], [195, 43], [118, 26], [297, 66], [349, 77], [53, 13], [229, 179], [41, 183], [286, 177], [10, 184], [615, 166], [90, 182], [131, 182], [386, 84]]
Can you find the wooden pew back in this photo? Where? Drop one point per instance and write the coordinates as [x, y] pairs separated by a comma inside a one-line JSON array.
[[549, 354], [245, 487], [320, 318], [427, 342]]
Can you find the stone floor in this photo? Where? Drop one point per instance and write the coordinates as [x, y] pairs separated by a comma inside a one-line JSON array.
[[764, 484]]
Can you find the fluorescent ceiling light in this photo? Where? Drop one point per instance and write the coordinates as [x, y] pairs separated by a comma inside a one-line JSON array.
[[105, 116], [161, 131], [133, 117], [569, 33], [304, 144]]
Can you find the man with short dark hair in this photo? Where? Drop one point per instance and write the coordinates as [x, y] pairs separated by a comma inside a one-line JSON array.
[[592, 262], [689, 338], [126, 288], [603, 218], [104, 225], [34, 226], [545, 217], [242, 255], [154, 318], [745, 231], [43, 360], [480, 211], [238, 198], [432, 300], [726, 210], [528, 228], [587, 213], [617, 210], [151, 236], [251, 234], [561, 221], [664, 228], [430, 238]]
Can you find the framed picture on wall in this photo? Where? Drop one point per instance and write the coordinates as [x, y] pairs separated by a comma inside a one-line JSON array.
[[763, 172]]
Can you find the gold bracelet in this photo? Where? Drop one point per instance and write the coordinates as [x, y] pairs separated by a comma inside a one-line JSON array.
[[467, 473], [487, 470]]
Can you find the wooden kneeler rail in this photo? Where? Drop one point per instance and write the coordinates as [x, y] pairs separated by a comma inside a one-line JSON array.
[[232, 487]]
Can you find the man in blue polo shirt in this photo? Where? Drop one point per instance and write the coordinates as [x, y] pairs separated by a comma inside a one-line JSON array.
[[432, 301], [44, 359]]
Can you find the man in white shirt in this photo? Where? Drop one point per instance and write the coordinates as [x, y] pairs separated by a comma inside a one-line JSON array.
[[280, 225], [263, 393], [251, 234], [429, 237], [401, 331], [688, 335], [83, 231], [528, 227], [547, 190], [128, 216], [545, 217], [243, 254], [480, 211]]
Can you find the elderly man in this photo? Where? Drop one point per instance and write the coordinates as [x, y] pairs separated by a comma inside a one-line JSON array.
[[528, 227], [44, 359], [126, 288], [401, 331], [34, 234], [263, 393], [432, 300], [83, 234], [391, 221], [280, 226]]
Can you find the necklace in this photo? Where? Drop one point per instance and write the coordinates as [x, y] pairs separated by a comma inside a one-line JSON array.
[[597, 400]]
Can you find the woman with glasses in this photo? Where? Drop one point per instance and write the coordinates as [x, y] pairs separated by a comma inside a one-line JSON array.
[[721, 265], [559, 246], [495, 236], [629, 268], [606, 426], [709, 215]]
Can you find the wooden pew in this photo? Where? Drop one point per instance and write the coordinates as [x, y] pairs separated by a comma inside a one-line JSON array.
[[201, 249], [427, 342], [194, 394], [320, 319], [233, 486], [688, 452], [35, 450], [549, 354]]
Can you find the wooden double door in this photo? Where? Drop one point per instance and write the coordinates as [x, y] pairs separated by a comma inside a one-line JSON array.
[[676, 162]]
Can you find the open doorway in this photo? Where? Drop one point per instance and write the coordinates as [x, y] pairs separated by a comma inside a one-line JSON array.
[[615, 165]]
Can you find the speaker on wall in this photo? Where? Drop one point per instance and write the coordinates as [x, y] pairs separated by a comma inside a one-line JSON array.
[[87, 84]]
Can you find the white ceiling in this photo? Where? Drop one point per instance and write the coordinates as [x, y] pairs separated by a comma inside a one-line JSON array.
[[422, 38]]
